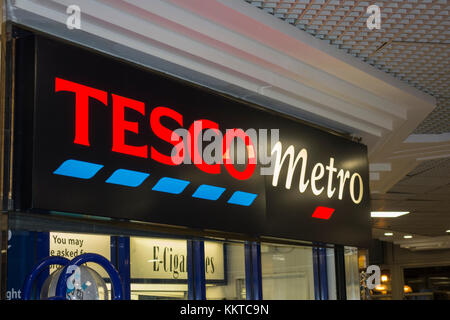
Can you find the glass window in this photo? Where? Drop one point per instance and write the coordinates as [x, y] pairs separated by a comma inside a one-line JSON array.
[[26, 248], [427, 283], [352, 280], [224, 271], [331, 275], [382, 291], [21, 259], [287, 272], [158, 268]]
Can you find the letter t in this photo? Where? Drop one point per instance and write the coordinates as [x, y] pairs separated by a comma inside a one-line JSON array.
[[82, 95], [330, 169]]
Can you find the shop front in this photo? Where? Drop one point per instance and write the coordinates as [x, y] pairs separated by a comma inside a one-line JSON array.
[[189, 193]]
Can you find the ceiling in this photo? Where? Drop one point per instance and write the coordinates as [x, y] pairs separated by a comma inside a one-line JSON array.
[[413, 45], [425, 191]]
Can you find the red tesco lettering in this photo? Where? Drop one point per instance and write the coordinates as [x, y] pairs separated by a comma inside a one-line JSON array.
[[120, 126]]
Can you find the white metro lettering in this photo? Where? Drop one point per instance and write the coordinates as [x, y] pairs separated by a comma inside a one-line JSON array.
[[317, 173]]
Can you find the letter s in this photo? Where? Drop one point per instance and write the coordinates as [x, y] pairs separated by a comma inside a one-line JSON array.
[[212, 265], [164, 133]]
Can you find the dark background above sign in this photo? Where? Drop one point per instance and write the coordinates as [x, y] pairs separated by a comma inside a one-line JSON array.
[[45, 140]]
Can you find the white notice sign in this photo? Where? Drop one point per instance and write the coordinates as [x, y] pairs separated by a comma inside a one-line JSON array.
[[70, 245]]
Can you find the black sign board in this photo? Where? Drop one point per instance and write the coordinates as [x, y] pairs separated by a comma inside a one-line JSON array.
[[98, 137]]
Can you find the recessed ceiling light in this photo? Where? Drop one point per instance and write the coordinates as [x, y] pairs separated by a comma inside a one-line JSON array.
[[388, 234], [387, 214], [407, 237], [448, 231]]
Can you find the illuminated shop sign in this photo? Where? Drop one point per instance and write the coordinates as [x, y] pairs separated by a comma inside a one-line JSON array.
[[111, 139], [190, 148]]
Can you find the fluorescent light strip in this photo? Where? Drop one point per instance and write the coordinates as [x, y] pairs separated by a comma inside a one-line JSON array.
[[388, 234], [387, 214], [407, 237]]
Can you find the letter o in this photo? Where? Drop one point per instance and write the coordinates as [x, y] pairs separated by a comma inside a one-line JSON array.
[[352, 188]]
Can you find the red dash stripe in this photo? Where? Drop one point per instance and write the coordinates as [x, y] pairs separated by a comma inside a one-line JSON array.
[[323, 213]]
